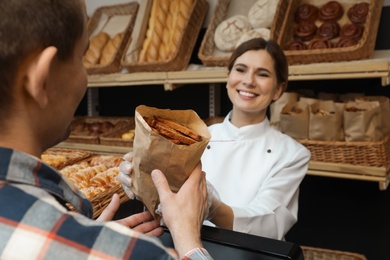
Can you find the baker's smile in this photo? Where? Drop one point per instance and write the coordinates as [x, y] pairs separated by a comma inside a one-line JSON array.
[[247, 94]]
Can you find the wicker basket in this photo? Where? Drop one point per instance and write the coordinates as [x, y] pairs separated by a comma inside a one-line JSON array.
[[363, 50], [114, 138], [313, 253], [182, 56], [372, 154], [118, 122], [107, 12], [101, 201], [208, 53]]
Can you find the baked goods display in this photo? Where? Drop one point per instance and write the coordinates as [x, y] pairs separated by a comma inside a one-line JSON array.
[[236, 29], [95, 174], [297, 45], [174, 132], [167, 22], [333, 24]]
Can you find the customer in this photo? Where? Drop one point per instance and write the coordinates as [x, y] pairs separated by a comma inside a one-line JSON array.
[[42, 81], [253, 170], [256, 169]]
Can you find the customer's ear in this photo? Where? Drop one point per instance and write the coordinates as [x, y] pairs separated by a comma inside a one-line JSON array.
[[37, 75]]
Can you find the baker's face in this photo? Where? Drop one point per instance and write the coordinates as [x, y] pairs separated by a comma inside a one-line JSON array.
[[252, 83], [69, 81]]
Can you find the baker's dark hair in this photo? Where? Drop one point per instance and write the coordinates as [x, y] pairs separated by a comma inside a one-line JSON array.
[[273, 49], [32, 25]]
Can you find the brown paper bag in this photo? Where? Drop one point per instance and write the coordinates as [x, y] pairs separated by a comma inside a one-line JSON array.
[[153, 151], [294, 120], [326, 121], [384, 103], [362, 121], [277, 106]]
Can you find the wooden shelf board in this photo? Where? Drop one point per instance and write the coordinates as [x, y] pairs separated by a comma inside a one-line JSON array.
[[376, 67], [95, 147]]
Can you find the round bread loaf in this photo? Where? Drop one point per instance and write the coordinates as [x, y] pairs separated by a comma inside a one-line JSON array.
[[262, 13], [264, 33], [229, 31]]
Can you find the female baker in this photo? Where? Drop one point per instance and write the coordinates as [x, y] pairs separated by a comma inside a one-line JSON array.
[[255, 169]]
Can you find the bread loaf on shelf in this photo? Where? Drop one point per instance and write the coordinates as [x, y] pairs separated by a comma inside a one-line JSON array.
[[94, 51], [110, 49]]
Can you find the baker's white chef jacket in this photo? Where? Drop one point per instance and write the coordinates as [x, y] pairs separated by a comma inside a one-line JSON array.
[[257, 171]]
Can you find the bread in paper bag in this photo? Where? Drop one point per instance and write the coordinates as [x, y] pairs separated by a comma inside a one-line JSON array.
[[152, 151]]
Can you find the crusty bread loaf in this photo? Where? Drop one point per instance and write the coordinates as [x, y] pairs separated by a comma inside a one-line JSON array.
[[262, 13], [96, 45], [229, 31], [179, 13], [154, 33], [264, 33], [110, 49]]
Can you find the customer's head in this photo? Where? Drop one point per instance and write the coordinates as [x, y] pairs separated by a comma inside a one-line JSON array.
[[273, 49], [42, 43]]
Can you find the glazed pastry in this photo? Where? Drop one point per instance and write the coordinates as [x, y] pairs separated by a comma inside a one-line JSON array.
[[296, 45], [351, 31], [306, 12], [358, 13], [345, 43], [331, 11], [305, 31], [329, 30], [262, 13], [229, 32], [320, 44], [264, 33]]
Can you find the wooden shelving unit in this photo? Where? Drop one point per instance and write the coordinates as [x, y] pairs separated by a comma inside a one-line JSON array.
[[376, 67]]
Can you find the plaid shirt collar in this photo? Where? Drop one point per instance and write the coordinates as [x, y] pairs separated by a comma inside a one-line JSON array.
[[19, 167]]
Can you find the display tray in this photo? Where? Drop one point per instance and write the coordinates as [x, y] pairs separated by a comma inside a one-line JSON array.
[[208, 52], [368, 154], [182, 54], [315, 253], [362, 50], [115, 138]]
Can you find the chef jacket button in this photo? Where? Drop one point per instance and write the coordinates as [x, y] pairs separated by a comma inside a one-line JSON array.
[[208, 147], [269, 151]]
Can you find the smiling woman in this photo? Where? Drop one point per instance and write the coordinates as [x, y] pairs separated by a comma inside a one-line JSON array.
[[247, 156]]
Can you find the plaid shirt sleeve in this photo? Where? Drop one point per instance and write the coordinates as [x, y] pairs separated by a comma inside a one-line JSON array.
[[198, 254]]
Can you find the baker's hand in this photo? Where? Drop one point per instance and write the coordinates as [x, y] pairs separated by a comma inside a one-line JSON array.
[[213, 201], [126, 167]]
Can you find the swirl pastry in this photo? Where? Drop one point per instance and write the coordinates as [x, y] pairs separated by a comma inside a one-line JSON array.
[[331, 11], [305, 31], [345, 43], [351, 31], [329, 30], [358, 13], [296, 45], [306, 12], [320, 44]]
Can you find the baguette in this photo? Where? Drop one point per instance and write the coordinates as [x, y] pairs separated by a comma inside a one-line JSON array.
[[94, 52], [110, 49]]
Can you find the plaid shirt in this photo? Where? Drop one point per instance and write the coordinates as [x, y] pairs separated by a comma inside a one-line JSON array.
[[35, 223]]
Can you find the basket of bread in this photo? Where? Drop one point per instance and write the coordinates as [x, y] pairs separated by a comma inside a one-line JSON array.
[[326, 31], [110, 29], [165, 35], [89, 130], [234, 22], [93, 174]]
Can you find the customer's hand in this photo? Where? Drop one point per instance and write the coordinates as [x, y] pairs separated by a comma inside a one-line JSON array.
[[126, 167], [141, 222], [183, 212]]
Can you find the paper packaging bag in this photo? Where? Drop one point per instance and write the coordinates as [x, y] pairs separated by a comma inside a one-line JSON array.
[[362, 121], [326, 121], [153, 151], [277, 106], [294, 120]]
